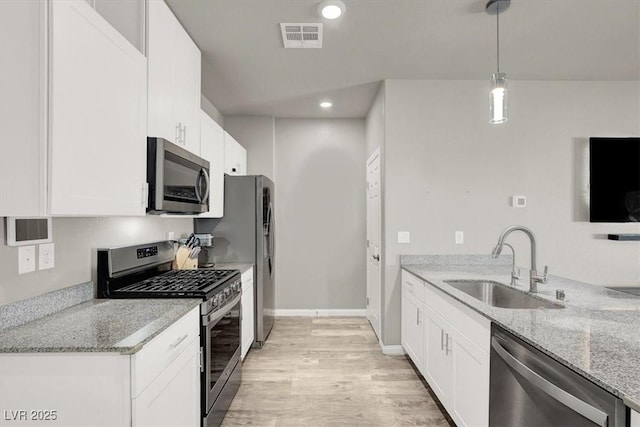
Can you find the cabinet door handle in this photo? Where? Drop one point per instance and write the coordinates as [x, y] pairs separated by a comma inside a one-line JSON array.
[[417, 316], [184, 135], [441, 339], [447, 350], [178, 341], [177, 140]]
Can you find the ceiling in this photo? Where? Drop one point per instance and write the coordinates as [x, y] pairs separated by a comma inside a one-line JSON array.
[[246, 71]]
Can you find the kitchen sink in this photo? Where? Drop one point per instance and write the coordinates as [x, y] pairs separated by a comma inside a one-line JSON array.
[[498, 295]]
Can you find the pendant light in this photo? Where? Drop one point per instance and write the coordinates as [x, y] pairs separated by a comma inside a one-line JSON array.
[[498, 95]]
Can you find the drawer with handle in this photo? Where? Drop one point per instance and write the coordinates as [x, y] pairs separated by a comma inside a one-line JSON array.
[[158, 353], [413, 285]]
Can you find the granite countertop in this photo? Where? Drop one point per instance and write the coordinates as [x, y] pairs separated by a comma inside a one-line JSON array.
[[103, 325], [232, 266], [597, 333]]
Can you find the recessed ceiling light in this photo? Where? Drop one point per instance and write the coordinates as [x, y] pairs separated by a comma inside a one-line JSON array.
[[331, 9], [326, 104]]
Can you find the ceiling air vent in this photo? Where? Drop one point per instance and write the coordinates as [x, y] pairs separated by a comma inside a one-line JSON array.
[[301, 35]]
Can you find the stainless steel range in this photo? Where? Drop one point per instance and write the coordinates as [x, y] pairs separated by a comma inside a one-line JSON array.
[[144, 271]]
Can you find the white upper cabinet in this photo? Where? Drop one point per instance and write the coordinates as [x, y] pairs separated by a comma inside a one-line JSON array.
[[23, 108], [97, 146], [73, 113], [212, 149], [174, 79], [235, 156]]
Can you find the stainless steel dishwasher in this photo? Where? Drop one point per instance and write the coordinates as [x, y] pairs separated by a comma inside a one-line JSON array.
[[528, 388]]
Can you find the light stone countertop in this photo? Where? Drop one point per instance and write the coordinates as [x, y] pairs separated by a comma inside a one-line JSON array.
[[232, 266], [597, 334], [101, 325]]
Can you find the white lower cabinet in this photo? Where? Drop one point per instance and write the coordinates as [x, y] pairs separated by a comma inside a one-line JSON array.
[[247, 303], [456, 344], [635, 418], [157, 386], [470, 382], [412, 329], [173, 398], [439, 363]]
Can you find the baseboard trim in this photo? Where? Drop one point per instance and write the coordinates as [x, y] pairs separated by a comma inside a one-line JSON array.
[[328, 312], [392, 350]]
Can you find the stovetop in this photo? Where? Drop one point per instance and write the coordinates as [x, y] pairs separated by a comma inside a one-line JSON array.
[[145, 271], [180, 281]]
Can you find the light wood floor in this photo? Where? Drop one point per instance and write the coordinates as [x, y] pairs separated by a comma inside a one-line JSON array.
[[329, 372]]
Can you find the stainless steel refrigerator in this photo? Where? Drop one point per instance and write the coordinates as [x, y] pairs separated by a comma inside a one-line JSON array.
[[246, 234]]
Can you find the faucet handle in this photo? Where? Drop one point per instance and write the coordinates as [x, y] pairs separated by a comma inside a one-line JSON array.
[[545, 275], [516, 273]]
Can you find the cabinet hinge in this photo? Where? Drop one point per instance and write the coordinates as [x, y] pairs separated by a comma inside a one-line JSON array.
[[201, 360]]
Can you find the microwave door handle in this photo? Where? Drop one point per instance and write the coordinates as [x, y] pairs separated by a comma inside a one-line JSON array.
[[581, 407], [205, 174], [197, 186]]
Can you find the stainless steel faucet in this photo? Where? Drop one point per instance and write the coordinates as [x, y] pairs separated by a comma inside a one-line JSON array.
[[515, 273], [534, 278]]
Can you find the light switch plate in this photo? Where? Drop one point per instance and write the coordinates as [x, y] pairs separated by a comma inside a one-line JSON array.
[[404, 237], [459, 237], [26, 259], [46, 256]]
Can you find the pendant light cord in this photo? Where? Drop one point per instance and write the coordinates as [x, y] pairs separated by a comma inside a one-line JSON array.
[[498, 35]]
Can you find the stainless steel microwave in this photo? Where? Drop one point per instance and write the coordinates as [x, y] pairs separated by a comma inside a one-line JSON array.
[[178, 179]]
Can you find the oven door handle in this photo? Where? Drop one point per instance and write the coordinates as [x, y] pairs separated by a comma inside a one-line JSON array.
[[213, 317], [567, 399]]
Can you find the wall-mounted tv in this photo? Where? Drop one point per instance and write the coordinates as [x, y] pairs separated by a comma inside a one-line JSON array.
[[614, 179]]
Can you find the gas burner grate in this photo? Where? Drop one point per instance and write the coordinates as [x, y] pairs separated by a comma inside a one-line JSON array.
[[179, 281]]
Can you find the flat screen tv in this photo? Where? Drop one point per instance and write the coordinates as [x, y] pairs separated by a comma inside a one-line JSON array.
[[614, 179]]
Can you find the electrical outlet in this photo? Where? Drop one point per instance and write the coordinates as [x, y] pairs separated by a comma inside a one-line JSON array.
[[46, 256], [26, 259], [171, 235], [459, 237]]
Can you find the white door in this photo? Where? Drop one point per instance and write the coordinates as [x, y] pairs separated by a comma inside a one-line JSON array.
[[373, 241]]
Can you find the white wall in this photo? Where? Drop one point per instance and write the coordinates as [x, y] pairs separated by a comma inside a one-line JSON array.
[[256, 135], [76, 241], [447, 169], [320, 213]]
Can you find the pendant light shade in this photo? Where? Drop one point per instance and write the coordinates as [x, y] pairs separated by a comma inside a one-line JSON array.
[[498, 106], [498, 99]]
